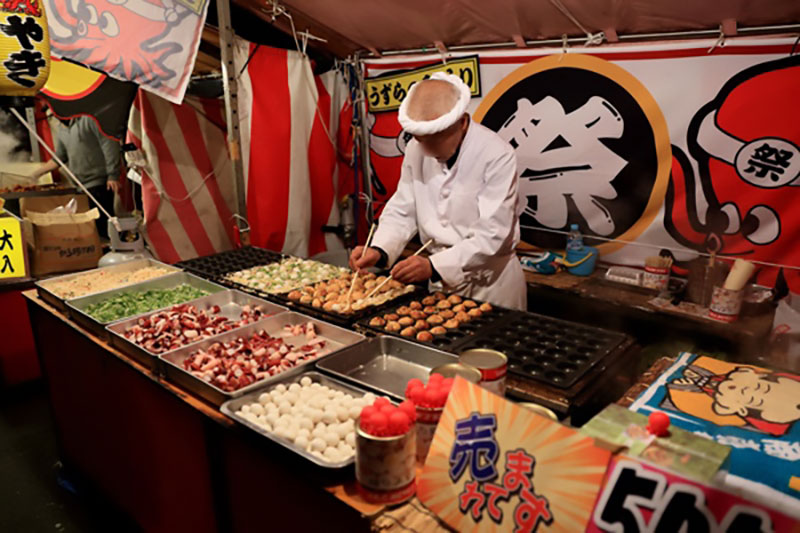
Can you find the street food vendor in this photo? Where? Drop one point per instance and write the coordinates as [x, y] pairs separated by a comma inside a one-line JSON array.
[[458, 188]]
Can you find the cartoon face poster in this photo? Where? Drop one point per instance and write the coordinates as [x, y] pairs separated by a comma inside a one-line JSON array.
[[495, 466], [753, 410]]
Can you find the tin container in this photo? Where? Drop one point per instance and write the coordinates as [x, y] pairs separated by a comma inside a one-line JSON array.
[[386, 466], [539, 410], [725, 304], [451, 370], [492, 365], [427, 421], [656, 277]]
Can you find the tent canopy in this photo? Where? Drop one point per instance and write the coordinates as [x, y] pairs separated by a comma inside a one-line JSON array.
[[381, 25]]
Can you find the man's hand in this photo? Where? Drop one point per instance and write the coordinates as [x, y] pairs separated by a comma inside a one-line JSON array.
[[371, 256], [413, 270], [113, 185]]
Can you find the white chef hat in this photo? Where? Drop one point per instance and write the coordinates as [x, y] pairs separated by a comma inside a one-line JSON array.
[[428, 127]]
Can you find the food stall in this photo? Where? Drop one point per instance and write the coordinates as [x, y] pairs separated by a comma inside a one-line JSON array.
[[227, 386]]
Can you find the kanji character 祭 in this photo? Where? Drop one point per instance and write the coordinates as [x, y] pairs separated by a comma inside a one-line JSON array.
[[475, 445], [472, 497], [767, 159]]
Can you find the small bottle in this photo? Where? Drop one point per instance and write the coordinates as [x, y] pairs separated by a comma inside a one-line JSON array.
[[574, 239]]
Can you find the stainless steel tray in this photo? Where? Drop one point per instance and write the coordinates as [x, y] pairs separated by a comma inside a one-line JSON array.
[[230, 302], [232, 406], [385, 364], [77, 306], [338, 338], [43, 286]]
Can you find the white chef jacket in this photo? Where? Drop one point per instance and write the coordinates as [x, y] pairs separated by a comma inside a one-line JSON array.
[[471, 211]]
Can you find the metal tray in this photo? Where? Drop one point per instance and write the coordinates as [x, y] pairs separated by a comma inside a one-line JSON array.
[[552, 351], [385, 364], [217, 265], [454, 338], [231, 406], [229, 301], [77, 306], [338, 338], [43, 286]]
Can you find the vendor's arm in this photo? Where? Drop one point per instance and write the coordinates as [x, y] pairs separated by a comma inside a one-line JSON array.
[[40, 171], [398, 222], [495, 230], [112, 158]]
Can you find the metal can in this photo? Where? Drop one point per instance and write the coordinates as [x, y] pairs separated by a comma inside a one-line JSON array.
[[386, 466], [427, 421], [492, 365], [539, 410], [451, 370]]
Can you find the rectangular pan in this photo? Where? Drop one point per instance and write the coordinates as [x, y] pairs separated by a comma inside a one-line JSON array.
[[385, 364], [231, 407], [230, 302], [77, 306], [338, 339], [43, 286]]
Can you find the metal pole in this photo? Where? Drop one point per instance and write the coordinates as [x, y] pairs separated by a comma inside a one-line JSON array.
[[36, 157], [365, 142], [226, 37], [754, 30]]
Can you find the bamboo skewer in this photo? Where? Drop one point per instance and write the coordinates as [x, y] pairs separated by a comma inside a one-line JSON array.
[[387, 280], [363, 253]]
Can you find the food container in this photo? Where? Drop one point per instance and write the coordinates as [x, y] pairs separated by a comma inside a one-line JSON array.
[[230, 303], [43, 286], [385, 364], [336, 337], [427, 421], [77, 307], [656, 277], [492, 365], [231, 407], [218, 265], [451, 370], [725, 304], [386, 466]]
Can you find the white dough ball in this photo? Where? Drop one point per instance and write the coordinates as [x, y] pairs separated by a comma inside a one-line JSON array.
[[318, 444], [369, 398], [276, 396], [342, 414], [284, 407], [306, 423], [272, 419], [329, 417], [305, 381], [345, 449], [294, 387], [281, 388], [264, 398], [291, 433], [290, 397], [267, 427], [301, 441], [342, 431], [350, 439], [338, 395], [319, 432], [257, 409], [303, 432], [332, 454], [245, 409], [331, 438], [316, 386], [354, 412]]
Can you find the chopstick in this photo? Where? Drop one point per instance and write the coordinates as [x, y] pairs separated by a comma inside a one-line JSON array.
[[363, 253], [390, 278]]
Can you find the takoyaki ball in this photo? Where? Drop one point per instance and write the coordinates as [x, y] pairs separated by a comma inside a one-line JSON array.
[[439, 295], [429, 300], [391, 317], [342, 299], [435, 320], [393, 326], [357, 295], [424, 336], [417, 315], [462, 316], [306, 299], [384, 289], [452, 324], [454, 299], [334, 286], [377, 322], [458, 308], [309, 290], [444, 304], [294, 295], [380, 279], [369, 276], [416, 306], [429, 310], [475, 313], [394, 284], [316, 302], [486, 307], [421, 324], [447, 314], [406, 321], [403, 311], [469, 304], [331, 297], [408, 332], [328, 306], [320, 293], [438, 330], [370, 284]]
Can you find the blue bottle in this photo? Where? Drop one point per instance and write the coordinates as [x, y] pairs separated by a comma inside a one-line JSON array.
[[574, 239]]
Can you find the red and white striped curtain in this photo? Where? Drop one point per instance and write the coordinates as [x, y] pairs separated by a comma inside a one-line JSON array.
[[292, 126]]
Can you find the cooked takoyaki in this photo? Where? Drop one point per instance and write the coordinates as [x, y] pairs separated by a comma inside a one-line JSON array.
[[316, 302], [406, 321], [458, 308], [417, 315], [377, 322], [391, 317], [452, 323], [435, 320], [429, 310], [439, 295], [462, 316], [475, 313], [469, 304], [306, 299], [424, 336], [416, 306], [421, 324], [295, 296], [454, 299], [403, 311], [444, 304], [447, 314], [485, 307], [429, 300], [393, 326], [408, 332], [438, 330]]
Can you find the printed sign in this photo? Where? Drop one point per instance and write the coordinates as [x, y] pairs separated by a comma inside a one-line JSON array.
[[24, 48], [386, 93], [495, 466], [12, 251], [639, 498]]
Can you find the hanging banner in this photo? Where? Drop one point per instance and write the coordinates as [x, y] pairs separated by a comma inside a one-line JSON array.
[[638, 497], [385, 93], [702, 159], [496, 466], [151, 43], [753, 410], [24, 47]]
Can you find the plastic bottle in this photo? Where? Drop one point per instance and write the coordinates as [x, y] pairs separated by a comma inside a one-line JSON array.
[[574, 239]]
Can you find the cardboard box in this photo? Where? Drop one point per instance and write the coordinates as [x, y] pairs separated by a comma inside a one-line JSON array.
[[60, 242]]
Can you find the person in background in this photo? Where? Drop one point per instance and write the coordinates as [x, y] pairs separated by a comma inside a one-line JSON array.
[[94, 158], [458, 187]]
